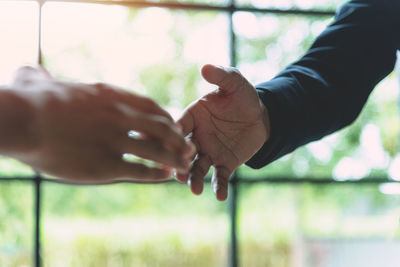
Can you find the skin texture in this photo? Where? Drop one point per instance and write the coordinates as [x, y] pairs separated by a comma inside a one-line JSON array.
[[80, 131], [228, 126]]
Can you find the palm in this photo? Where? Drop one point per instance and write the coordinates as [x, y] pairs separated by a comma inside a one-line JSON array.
[[228, 125], [227, 129]]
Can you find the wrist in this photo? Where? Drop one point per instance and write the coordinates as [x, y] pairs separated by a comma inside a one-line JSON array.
[[17, 131]]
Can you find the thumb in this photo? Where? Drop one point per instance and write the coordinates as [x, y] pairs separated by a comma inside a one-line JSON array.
[[227, 79]]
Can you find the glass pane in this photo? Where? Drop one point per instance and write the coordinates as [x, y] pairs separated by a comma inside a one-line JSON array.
[[19, 40], [128, 47], [124, 225], [300, 4], [16, 223], [368, 148], [10, 168], [19, 36], [133, 225], [310, 226], [268, 43]]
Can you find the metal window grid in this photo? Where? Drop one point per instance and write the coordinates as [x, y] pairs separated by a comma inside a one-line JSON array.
[[230, 8]]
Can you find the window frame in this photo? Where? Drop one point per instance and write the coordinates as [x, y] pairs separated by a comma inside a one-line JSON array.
[[236, 180]]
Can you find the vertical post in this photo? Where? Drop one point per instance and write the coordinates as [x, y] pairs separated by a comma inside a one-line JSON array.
[[233, 188], [38, 178], [37, 246], [39, 52], [232, 36], [233, 197]]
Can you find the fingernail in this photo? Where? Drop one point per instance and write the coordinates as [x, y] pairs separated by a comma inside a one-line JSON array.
[[167, 171]]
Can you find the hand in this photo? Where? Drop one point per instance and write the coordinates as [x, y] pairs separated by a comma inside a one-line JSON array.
[[228, 126], [80, 131]]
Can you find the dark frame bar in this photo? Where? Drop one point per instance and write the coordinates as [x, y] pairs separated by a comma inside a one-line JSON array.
[[232, 206], [38, 179], [233, 188], [275, 180], [37, 225], [198, 7]]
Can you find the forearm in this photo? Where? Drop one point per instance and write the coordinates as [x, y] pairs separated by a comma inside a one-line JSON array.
[[326, 89], [16, 123]]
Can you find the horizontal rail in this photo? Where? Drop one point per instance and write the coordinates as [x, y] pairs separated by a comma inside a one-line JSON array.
[[278, 180], [285, 180], [197, 7]]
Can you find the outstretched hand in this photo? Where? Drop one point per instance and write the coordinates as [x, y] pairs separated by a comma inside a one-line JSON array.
[[80, 131], [228, 126]]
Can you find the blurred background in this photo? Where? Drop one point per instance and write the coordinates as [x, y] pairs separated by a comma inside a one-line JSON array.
[[316, 207]]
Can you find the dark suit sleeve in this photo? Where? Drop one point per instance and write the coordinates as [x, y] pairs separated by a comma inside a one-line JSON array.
[[326, 89]]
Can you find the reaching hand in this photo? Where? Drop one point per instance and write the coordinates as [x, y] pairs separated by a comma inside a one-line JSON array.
[[228, 126], [80, 131]]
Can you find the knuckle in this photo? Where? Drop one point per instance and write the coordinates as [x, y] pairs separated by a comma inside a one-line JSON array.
[[100, 85], [152, 105], [149, 102], [235, 72], [232, 78], [27, 69], [103, 88]]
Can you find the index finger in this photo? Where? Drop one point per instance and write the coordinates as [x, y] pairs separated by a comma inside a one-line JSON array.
[[137, 102], [140, 172], [157, 127], [146, 105]]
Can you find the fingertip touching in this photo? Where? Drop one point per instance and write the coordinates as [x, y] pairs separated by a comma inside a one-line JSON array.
[[190, 150], [182, 177]]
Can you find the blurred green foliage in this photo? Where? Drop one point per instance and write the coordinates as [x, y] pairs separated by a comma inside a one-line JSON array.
[[127, 199], [166, 250], [16, 223], [160, 80]]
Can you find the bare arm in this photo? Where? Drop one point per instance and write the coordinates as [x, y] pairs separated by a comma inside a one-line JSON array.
[[80, 131]]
